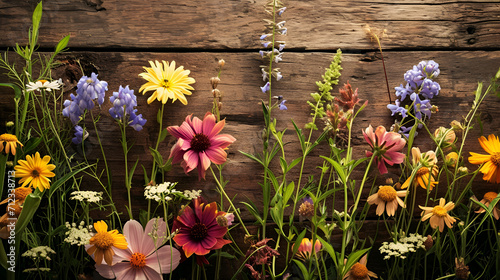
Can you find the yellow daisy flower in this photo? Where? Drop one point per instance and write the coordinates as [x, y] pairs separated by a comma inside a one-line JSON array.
[[35, 171], [10, 143], [439, 214], [427, 174], [387, 198], [167, 82], [491, 167], [102, 242]]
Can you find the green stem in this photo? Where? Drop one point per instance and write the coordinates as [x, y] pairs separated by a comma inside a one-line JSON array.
[[153, 170], [127, 180]]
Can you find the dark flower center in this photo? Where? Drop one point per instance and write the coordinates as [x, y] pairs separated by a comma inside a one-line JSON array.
[[35, 173], [495, 158], [199, 232], [200, 142], [165, 83]]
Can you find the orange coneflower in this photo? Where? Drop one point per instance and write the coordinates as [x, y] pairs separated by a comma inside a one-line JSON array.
[[102, 243], [10, 143], [487, 199], [439, 214], [491, 167], [426, 175], [387, 198], [359, 271]]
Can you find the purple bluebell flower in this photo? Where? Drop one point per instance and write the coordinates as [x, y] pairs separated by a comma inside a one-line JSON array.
[[261, 52], [265, 44], [281, 11], [72, 110], [281, 47], [80, 135], [123, 109], [402, 92], [430, 68], [278, 76], [264, 36], [429, 88], [421, 106], [282, 105], [414, 77], [406, 131], [266, 87], [397, 109], [91, 88]]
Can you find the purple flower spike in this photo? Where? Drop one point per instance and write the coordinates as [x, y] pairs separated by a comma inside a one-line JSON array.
[[282, 105], [429, 88], [397, 109], [265, 88], [79, 135]]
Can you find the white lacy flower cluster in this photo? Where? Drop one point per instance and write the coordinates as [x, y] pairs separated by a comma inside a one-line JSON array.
[[78, 234], [88, 196], [162, 191], [406, 244], [40, 252], [192, 194]]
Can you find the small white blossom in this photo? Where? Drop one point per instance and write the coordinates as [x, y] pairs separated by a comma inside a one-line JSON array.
[[44, 84], [78, 235], [192, 194], [405, 245], [161, 191], [88, 196], [40, 252]]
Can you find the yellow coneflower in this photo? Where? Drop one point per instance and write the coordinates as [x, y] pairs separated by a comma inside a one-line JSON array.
[[102, 242], [439, 214], [426, 175], [11, 142], [491, 167], [35, 171], [387, 198], [167, 82]]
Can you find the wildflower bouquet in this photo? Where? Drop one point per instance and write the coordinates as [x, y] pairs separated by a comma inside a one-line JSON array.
[[338, 194]]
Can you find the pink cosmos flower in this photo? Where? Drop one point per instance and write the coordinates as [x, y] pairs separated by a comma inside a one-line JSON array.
[[198, 231], [142, 259], [386, 146], [199, 143]]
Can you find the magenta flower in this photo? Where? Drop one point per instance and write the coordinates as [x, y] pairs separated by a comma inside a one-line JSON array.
[[142, 259], [198, 231], [199, 143], [385, 145]]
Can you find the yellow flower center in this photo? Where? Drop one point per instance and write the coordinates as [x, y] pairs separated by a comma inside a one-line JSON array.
[[495, 158], [422, 171], [359, 271], [102, 240], [89, 81], [138, 260], [489, 196], [439, 211], [166, 84], [8, 138], [42, 81], [387, 193]]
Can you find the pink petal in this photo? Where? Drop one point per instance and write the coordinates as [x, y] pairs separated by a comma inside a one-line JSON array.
[[182, 238], [124, 270], [151, 274], [105, 271], [188, 217], [209, 214], [184, 131], [167, 256], [201, 173], [197, 125], [217, 231], [122, 255], [208, 242], [161, 227], [395, 157], [379, 135], [217, 156], [368, 135], [133, 233], [191, 158], [176, 152], [381, 167], [194, 248], [217, 128], [221, 141], [208, 123], [204, 160]]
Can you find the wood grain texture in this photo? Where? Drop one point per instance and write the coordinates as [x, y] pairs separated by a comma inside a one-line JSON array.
[[240, 83], [216, 24]]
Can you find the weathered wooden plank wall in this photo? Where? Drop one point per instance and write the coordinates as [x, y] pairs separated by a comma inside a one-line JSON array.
[[116, 38]]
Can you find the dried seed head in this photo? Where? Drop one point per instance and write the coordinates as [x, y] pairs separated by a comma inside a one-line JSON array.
[[428, 243], [214, 81]]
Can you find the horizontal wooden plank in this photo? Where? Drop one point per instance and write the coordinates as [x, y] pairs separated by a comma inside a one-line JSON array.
[[212, 24], [240, 83]]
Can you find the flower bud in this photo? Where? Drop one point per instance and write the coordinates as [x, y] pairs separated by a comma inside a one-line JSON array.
[[9, 163], [222, 62], [214, 81], [216, 93], [428, 243], [451, 159], [463, 170], [9, 124], [456, 125], [461, 270]]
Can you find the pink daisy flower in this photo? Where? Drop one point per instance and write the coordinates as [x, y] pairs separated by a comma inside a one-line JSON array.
[[386, 146], [199, 143], [198, 231], [142, 259]]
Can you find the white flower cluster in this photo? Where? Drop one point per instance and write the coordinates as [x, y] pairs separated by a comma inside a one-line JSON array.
[[406, 244], [88, 196], [78, 235], [40, 252], [192, 194], [161, 191]]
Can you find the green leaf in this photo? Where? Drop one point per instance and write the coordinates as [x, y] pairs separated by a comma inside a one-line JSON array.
[[300, 136], [252, 157], [131, 173], [17, 90], [163, 134], [298, 241], [159, 116], [37, 17], [156, 155], [354, 258], [302, 268], [338, 168], [288, 192], [29, 208], [253, 210], [328, 248], [57, 184], [61, 46], [146, 178]]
